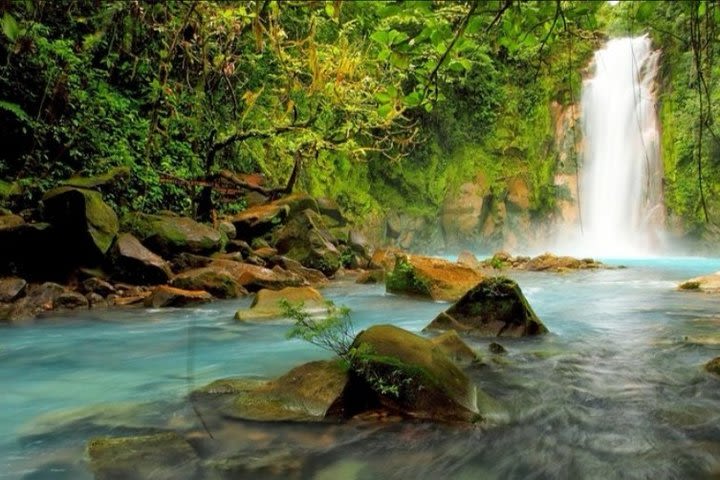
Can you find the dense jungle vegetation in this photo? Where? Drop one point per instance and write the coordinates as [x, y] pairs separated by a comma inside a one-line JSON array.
[[383, 106]]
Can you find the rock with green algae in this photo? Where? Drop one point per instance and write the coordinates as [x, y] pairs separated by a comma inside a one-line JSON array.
[[713, 366], [112, 176], [160, 456], [304, 238], [413, 376], [218, 281], [169, 235], [81, 215], [706, 284], [267, 303], [431, 277], [496, 307], [307, 393]]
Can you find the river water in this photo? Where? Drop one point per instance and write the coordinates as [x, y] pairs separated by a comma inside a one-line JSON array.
[[616, 390]]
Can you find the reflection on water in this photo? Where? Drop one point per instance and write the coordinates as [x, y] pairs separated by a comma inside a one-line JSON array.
[[616, 391]]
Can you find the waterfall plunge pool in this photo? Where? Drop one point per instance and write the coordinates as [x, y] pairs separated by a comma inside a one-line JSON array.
[[616, 390]]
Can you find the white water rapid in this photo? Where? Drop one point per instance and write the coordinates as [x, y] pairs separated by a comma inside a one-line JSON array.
[[621, 201]]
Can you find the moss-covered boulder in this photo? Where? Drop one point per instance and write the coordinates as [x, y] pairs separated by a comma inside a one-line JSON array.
[[254, 277], [169, 235], [304, 238], [83, 218], [309, 392], [165, 296], [109, 178], [160, 456], [133, 262], [218, 281], [431, 277], [266, 304], [713, 366], [496, 307], [706, 283], [413, 376]]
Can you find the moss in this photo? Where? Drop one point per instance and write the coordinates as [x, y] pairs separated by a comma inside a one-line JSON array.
[[690, 285], [403, 279]]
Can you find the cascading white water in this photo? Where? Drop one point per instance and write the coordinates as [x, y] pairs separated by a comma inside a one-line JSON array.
[[621, 188]]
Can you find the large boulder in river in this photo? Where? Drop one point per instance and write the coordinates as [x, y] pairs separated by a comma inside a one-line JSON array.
[[412, 376], [216, 280], [496, 307], [133, 262], [305, 239], [169, 235], [83, 218], [267, 303], [11, 288], [431, 277]]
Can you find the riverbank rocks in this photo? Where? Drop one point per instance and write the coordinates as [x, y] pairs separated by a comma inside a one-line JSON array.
[[307, 393], [216, 280], [39, 298], [713, 366], [166, 296], [169, 235], [259, 220], [87, 223], [254, 277], [304, 238], [162, 456], [496, 307], [547, 262], [133, 262], [11, 288], [266, 304], [431, 277], [412, 376], [705, 283]]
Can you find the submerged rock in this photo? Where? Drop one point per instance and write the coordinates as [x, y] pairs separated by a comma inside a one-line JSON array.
[[266, 304], [713, 366], [431, 277], [455, 348], [218, 281], [705, 283], [160, 456], [413, 376], [165, 296], [134, 263], [305, 393], [496, 307]]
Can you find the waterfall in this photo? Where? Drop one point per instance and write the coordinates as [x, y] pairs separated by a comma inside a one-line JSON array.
[[621, 178]]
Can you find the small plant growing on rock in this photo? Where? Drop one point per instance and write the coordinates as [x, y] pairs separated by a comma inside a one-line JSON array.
[[334, 332], [404, 279]]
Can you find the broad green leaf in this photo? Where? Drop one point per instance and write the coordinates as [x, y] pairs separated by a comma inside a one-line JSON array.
[[413, 100], [330, 9], [382, 37], [16, 110], [383, 97], [10, 27], [384, 110]]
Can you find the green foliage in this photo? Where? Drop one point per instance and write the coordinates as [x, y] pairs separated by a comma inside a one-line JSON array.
[[404, 279], [334, 331]]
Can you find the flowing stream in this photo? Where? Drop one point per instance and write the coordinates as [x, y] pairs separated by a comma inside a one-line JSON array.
[[621, 187], [617, 390]]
